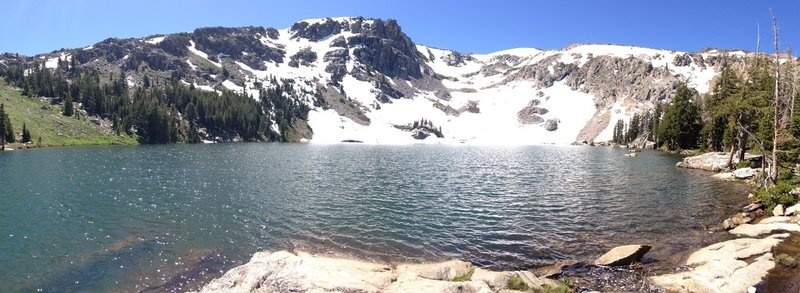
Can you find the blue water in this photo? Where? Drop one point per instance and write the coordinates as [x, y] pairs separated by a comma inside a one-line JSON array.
[[170, 217]]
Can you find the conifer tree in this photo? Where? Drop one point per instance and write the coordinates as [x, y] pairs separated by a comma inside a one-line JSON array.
[[26, 135], [680, 127], [2, 127], [654, 124], [633, 129], [190, 112], [9, 134], [68, 107], [717, 117], [617, 136]]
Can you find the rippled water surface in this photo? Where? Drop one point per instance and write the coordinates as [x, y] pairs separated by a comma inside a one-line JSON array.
[[157, 217]]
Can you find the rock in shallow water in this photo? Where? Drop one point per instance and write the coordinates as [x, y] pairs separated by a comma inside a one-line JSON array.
[[738, 219], [752, 207], [555, 270], [623, 255]]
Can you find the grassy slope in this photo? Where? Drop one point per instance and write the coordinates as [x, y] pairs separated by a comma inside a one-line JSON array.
[[45, 121]]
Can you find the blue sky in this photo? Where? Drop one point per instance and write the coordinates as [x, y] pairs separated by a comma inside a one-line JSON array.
[[32, 27]]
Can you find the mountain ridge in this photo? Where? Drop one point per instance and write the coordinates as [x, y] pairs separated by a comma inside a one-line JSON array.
[[364, 79]]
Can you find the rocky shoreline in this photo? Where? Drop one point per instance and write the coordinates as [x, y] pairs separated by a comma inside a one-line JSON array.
[[285, 271], [738, 265], [742, 264]]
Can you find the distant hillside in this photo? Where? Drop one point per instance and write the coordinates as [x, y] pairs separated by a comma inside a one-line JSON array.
[[48, 127]]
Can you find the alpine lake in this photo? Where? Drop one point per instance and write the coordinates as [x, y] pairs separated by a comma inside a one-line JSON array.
[[172, 217]]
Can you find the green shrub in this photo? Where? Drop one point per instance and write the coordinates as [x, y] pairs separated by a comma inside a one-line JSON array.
[[563, 288], [516, 283], [786, 260], [742, 164], [778, 194]]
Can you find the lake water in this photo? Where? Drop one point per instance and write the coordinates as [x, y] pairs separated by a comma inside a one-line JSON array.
[[171, 217]]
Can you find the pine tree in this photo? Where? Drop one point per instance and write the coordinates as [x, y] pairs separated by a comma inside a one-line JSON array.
[[2, 127], [717, 112], [633, 129], [6, 129], [190, 112], [619, 128], [191, 135], [225, 73], [68, 107], [654, 124], [10, 137], [680, 127], [26, 135]]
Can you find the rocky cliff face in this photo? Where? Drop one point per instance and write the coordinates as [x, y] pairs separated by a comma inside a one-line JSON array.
[[362, 77]]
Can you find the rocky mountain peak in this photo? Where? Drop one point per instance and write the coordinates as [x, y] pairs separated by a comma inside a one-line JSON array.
[[355, 73]]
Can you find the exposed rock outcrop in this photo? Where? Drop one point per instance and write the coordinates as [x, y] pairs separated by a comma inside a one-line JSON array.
[[732, 266], [283, 271], [714, 162], [302, 272], [303, 57], [336, 59], [551, 124], [718, 161], [384, 47], [530, 114], [456, 59], [238, 44], [721, 267], [682, 60], [756, 230], [792, 210], [744, 173]]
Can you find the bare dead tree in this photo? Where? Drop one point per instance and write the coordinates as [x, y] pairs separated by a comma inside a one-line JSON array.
[[793, 62], [780, 111], [758, 38]]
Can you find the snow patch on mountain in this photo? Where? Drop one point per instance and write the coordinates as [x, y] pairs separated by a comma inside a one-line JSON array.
[[155, 41], [53, 62], [202, 54]]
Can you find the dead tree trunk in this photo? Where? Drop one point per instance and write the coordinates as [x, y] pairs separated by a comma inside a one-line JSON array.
[[794, 84], [776, 104]]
